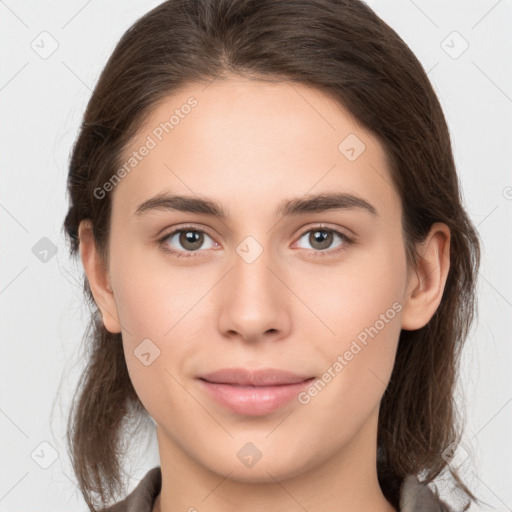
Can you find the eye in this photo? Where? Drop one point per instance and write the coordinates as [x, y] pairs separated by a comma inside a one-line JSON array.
[[321, 238], [189, 238]]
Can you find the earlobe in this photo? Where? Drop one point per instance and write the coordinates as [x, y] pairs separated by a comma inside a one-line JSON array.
[[426, 284], [97, 276]]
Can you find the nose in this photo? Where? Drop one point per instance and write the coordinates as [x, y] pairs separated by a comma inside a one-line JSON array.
[[254, 302]]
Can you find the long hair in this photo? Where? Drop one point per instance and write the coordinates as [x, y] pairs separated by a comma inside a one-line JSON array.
[[342, 48]]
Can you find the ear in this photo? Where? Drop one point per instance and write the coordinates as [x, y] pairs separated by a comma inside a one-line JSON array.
[[426, 283], [97, 276]]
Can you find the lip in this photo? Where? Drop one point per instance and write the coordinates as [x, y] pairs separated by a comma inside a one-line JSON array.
[[253, 393], [261, 377]]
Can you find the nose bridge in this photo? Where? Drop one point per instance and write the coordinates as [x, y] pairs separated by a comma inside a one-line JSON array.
[[253, 302], [251, 277]]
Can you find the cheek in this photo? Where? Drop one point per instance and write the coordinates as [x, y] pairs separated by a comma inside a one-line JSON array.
[[364, 290], [358, 311], [153, 295], [160, 326], [162, 313]]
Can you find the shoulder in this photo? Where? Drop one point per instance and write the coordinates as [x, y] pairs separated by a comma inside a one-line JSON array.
[[143, 497], [418, 497]]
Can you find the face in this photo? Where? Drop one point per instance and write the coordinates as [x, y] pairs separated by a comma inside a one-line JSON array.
[[281, 281]]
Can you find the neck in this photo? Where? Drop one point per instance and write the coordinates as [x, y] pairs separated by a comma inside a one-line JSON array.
[[344, 481]]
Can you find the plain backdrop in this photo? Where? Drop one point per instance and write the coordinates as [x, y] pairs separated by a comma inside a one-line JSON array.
[[466, 48]]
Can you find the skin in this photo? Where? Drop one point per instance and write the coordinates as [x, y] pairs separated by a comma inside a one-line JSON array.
[[248, 145]]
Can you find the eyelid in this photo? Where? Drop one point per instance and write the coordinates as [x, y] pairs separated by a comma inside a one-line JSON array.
[[180, 227], [348, 233]]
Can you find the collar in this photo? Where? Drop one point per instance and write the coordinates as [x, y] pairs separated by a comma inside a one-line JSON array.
[[414, 496], [418, 497]]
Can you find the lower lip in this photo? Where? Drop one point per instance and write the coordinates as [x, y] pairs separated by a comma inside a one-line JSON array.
[[253, 400]]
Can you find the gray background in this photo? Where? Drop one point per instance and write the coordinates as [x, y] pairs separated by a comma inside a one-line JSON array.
[[42, 99]]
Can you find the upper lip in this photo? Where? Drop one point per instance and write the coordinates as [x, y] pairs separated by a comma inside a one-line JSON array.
[[261, 377]]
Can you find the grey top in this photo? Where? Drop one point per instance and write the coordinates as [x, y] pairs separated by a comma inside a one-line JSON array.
[[414, 496]]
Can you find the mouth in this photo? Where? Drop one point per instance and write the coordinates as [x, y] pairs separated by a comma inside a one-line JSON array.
[[253, 393]]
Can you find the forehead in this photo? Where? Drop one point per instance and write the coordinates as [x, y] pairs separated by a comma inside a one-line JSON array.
[[248, 143]]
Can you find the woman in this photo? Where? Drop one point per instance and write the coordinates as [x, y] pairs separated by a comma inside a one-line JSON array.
[[264, 199]]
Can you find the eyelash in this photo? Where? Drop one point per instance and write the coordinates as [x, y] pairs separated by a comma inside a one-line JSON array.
[[347, 241]]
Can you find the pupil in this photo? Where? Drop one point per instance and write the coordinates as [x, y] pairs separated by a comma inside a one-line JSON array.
[[321, 237], [191, 237]]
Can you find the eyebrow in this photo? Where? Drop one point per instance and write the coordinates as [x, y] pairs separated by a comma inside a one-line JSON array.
[[309, 204]]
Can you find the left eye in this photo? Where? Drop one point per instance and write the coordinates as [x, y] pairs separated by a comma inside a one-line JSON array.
[[322, 238]]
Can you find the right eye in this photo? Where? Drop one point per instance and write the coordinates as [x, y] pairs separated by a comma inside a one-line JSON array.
[[190, 238]]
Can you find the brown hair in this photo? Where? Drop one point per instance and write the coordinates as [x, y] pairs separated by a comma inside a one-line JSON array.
[[344, 49]]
